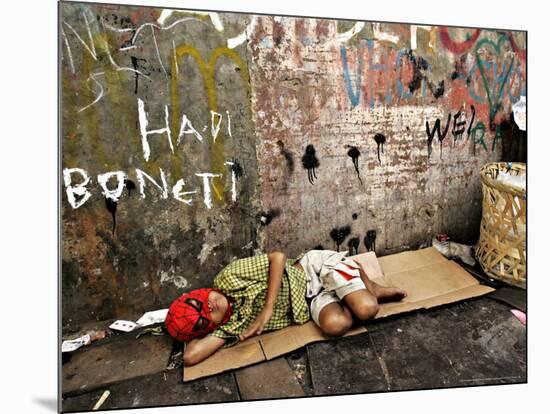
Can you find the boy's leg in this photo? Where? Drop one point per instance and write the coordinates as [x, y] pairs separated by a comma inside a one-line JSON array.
[[381, 293], [363, 302], [335, 319], [330, 314]]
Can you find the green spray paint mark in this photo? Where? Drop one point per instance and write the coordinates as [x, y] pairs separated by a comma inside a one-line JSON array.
[[494, 101], [498, 136], [480, 126]]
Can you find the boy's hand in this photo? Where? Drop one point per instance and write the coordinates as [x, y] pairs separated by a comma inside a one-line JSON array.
[[257, 326]]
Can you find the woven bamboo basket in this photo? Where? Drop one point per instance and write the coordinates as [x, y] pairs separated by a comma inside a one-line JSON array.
[[502, 238]]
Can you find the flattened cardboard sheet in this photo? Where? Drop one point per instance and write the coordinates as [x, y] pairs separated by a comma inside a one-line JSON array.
[[260, 348], [427, 276], [241, 355]]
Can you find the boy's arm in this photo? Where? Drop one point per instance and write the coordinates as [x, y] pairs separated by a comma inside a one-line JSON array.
[[198, 350], [277, 262]]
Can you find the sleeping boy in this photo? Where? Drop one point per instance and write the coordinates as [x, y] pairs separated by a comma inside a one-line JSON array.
[[269, 292]]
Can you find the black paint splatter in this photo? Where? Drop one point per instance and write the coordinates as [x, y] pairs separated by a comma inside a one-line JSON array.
[[111, 208], [339, 235], [237, 169], [126, 23], [354, 216], [130, 185], [354, 153], [310, 162], [440, 136], [370, 240], [459, 126], [419, 64], [78, 197], [137, 66], [288, 156], [438, 90], [353, 246], [472, 120], [269, 215], [380, 141]]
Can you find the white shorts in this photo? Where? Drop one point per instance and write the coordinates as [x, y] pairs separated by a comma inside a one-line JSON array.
[[330, 277], [326, 297]]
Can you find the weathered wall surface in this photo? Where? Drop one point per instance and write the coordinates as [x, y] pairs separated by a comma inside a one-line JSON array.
[[171, 237], [365, 99], [213, 136]]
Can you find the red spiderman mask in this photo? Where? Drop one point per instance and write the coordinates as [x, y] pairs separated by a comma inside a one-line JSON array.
[[189, 317]]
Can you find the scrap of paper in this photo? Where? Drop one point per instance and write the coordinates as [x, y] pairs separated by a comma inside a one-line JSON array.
[[520, 315], [100, 402], [520, 112], [74, 344], [152, 317], [124, 326]]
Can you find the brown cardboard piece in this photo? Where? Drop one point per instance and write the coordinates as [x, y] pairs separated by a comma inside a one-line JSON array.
[[427, 276]]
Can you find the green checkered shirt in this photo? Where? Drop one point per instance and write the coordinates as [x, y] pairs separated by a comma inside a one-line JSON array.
[[246, 282]]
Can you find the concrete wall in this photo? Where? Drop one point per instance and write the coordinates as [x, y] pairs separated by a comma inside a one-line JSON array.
[[315, 132]]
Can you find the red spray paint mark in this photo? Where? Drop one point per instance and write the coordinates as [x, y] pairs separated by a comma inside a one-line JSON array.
[[457, 47], [299, 29], [521, 52]]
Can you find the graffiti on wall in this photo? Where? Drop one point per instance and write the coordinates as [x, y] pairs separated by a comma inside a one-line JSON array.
[[156, 153], [186, 140], [488, 74], [406, 75], [114, 43], [112, 183]]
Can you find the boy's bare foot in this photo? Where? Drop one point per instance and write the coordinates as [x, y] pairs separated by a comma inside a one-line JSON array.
[[389, 294]]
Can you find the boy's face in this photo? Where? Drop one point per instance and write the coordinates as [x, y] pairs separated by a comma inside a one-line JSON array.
[[197, 313], [217, 304]]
